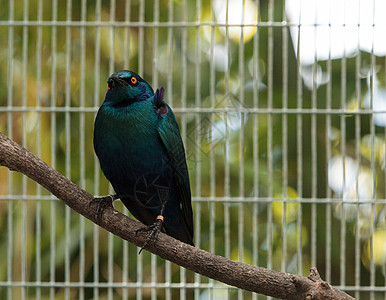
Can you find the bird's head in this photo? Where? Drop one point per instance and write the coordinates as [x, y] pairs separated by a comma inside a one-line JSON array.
[[126, 87]]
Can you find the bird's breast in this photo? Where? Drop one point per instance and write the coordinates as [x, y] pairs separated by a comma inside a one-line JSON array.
[[129, 148]]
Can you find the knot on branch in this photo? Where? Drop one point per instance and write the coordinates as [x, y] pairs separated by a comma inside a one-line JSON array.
[[321, 285], [313, 287]]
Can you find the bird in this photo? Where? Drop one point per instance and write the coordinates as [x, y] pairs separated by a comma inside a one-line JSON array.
[[140, 151]]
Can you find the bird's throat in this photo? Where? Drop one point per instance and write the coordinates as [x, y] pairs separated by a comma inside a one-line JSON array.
[[122, 104]]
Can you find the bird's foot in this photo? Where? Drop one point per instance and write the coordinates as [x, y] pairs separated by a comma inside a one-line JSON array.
[[154, 229], [102, 204]]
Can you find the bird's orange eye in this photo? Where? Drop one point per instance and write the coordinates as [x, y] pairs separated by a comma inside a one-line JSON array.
[[133, 80], [108, 86]]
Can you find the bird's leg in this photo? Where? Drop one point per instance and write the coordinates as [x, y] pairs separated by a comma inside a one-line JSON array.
[[156, 227], [103, 203]]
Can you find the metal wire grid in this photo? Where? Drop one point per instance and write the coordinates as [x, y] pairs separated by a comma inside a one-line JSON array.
[[229, 212]]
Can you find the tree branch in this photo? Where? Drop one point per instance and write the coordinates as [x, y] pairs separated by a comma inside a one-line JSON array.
[[247, 277]]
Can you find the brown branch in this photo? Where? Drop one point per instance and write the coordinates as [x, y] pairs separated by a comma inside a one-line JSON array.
[[247, 277]]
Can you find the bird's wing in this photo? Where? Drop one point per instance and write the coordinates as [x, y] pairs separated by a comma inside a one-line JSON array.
[[171, 138]]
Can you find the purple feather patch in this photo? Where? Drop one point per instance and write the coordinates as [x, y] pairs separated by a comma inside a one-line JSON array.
[[162, 108], [159, 97]]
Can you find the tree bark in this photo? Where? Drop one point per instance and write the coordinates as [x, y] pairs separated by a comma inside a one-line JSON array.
[[251, 278]]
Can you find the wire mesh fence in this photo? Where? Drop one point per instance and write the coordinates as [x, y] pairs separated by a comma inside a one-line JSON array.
[[281, 106]]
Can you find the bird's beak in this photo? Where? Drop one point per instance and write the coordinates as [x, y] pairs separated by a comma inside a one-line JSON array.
[[114, 82], [111, 83]]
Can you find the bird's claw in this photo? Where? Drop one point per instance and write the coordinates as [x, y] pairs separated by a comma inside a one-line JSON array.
[[155, 229], [102, 204]]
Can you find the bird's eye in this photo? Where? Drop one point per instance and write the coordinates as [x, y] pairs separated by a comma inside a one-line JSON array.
[[108, 87], [133, 80]]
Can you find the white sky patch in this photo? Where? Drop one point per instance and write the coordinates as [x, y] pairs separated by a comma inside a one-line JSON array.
[[239, 12], [376, 101], [353, 183], [337, 28], [342, 174], [220, 57]]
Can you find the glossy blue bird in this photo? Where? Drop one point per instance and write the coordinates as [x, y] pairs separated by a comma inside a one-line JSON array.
[[138, 143]]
